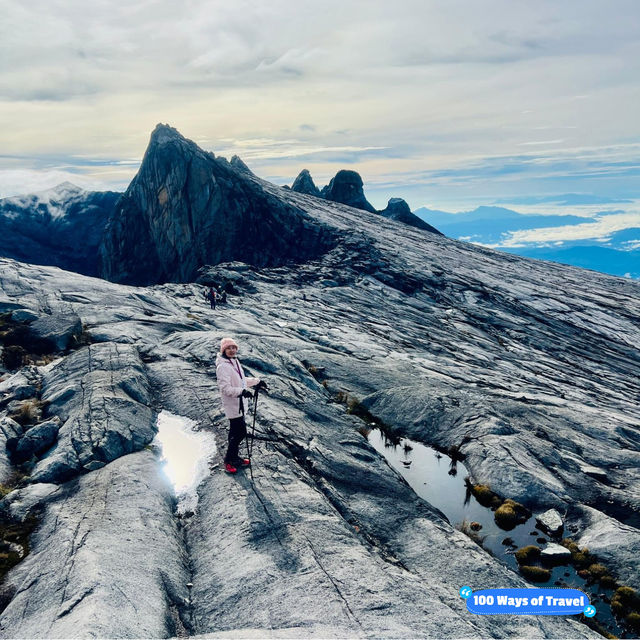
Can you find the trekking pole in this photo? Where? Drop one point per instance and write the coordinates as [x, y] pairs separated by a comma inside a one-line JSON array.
[[253, 426]]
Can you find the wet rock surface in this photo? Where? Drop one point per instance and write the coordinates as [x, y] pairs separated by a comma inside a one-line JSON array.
[[528, 369]]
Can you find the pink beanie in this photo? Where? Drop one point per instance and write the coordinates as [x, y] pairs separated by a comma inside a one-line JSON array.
[[227, 342]]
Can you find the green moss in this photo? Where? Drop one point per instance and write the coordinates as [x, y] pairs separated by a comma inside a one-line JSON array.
[[535, 574], [525, 555]]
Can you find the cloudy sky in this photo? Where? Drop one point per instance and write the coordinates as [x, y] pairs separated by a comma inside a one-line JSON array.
[[447, 104]]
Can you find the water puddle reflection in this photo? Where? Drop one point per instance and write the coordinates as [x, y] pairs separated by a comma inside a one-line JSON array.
[[440, 480], [186, 452]]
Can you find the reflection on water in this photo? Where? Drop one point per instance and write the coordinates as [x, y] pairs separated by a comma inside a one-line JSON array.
[[434, 477], [185, 456]]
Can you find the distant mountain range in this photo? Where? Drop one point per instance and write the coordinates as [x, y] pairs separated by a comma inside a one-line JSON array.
[[617, 254], [129, 237]]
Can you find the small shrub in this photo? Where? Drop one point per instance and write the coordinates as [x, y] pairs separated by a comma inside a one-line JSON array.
[[468, 530], [570, 544], [535, 574], [597, 570], [29, 413], [628, 597], [510, 514], [608, 582], [475, 526], [14, 357], [316, 372], [582, 559], [364, 430], [483, 494], [633, 620], [525, 555]]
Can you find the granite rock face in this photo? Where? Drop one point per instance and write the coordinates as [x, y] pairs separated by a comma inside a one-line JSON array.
[[185, 209], [113, 557], [55, 332], [304, 184], [398, 209], [101, 394], [346, 187]]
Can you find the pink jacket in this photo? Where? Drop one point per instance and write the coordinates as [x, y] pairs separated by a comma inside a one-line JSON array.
[[231, 381]]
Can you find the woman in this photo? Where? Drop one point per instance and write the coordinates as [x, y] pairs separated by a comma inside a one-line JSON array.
[[233, 391]]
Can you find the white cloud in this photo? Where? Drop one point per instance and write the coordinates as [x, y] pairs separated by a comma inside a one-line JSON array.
[[433, 90], [598, 231]]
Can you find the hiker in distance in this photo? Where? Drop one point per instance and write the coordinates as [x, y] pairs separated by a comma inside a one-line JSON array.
[[234, 390], [212, 297]]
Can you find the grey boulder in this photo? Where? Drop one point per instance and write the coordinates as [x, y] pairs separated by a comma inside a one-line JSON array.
[[55, 332], [36, 440], [550, 521]]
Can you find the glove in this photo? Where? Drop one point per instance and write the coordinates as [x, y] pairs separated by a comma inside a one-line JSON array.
[[246, 393], [262, 386]]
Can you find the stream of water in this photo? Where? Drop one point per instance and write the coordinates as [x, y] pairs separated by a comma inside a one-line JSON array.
[[440, 481]]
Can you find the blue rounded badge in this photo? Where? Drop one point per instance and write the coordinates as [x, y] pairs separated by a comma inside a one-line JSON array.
[[541, 602], [465, 592]]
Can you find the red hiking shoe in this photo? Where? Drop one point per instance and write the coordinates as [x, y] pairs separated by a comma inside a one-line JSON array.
[[244, 462], [229, 468]]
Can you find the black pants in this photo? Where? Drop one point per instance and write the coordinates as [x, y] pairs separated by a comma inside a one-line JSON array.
[[237, 433]]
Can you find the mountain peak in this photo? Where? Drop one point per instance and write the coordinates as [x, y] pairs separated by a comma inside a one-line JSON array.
[[398, 209], [346, 187], [164, 133], [304, 184], [186, 208]]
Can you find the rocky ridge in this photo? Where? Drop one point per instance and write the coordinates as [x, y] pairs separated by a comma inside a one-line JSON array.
[[186, 208]]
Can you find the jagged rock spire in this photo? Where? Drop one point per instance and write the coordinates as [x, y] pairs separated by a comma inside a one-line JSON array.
[[186, 208], [304, 184], [346, 187]]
